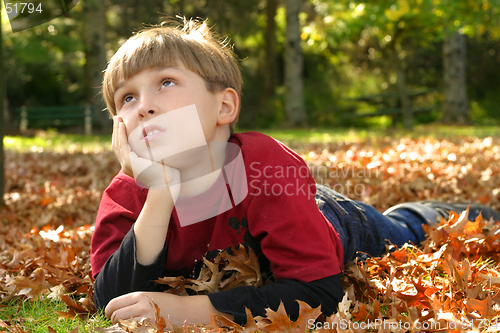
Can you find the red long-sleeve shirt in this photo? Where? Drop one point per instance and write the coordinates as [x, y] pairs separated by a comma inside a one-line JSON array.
[[278, 218]]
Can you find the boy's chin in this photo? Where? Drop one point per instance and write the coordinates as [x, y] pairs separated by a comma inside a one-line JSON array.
[[180, 160]]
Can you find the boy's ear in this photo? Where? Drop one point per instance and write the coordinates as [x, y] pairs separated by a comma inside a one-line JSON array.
[[229, 107]]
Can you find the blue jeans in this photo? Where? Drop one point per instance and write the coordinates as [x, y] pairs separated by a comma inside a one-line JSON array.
[[362, 228]]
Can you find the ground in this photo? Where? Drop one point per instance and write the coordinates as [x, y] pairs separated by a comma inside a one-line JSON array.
[[54, 184]]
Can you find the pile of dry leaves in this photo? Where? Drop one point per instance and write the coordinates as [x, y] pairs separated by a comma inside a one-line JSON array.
[[451, 283]]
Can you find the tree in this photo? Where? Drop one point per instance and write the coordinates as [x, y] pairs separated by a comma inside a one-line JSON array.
[[459, 19], [294, 96], [94, 35], [399, 67], [448, 21], [270, 36], [2, 116], [392, 31], [455, 85], [382, 32], [402, 21]]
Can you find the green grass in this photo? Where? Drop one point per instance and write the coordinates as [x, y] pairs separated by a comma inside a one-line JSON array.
[[36, 317], [326, 135], [57, 142], [66, 142]]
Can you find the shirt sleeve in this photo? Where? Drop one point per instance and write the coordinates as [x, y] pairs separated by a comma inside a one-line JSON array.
[[122, 273], [326, 292], [120, 206], [113, 251]]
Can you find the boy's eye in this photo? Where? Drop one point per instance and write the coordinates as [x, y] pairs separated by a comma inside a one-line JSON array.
[[167, 82], [127, 99]]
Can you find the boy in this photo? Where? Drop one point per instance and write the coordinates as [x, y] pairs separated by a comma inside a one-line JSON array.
[[199, 189]]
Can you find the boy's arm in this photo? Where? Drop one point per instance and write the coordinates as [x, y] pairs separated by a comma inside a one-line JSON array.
[[326, 292], [141, 255], [140, 258], [151, 226], [122, 274]]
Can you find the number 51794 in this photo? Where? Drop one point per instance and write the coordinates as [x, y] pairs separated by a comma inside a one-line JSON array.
[[22, 7]]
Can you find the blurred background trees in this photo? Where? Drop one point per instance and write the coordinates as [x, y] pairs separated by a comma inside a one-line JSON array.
[[349, 48], [2, 116]]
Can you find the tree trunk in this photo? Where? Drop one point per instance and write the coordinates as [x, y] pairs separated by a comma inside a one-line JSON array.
[[270, 33], [294, 95], [455, 85], [404, 97], [399, 68], [2, 117], [94, 31]]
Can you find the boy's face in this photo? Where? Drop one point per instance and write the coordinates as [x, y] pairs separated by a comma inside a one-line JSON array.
[[167, 111]]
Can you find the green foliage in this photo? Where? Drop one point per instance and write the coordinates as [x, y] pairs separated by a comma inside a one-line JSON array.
[[348, 46], [44, 65], [377, 35], [39, 315]]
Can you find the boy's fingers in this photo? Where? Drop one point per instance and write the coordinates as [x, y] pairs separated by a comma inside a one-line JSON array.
[[125, 307], [119, 139], [110, 308], [124, 147], [122, 134], [115, 304], [130, 312], [115, 141]]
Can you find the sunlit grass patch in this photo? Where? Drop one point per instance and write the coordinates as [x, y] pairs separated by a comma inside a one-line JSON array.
[[39, 315], [327, 135], [58, 142], [68, 142]]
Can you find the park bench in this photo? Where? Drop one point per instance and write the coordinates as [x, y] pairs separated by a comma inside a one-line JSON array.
[[388, 104], [55, 116]]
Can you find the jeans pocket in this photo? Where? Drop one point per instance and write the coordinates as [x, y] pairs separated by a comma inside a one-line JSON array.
[[329, 197], [347, 218], [342, 205]]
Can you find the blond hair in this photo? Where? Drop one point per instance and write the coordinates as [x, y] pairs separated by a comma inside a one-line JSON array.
[[192, 42]]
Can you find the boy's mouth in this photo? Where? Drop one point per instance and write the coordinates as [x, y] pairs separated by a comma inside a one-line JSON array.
[[151, 131]]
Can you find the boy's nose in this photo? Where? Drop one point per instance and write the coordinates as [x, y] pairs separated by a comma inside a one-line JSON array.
[[145, 114], [146, 110]]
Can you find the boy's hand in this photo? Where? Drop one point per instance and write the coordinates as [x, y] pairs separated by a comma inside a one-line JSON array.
[[147, 173], [137, 305], [119, 144]]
